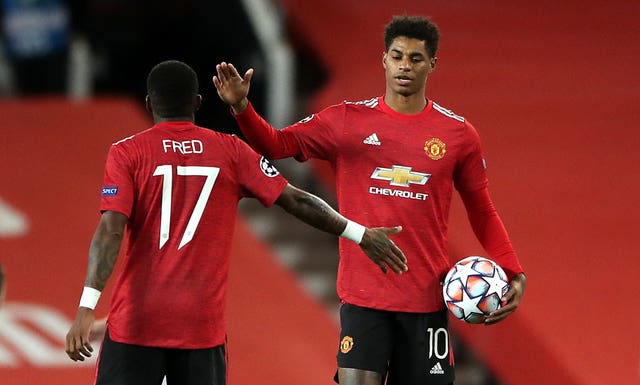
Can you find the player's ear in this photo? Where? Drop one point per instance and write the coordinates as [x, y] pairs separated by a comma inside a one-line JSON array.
[[197, 103], [147, 103], [384, 60], [432, 62]]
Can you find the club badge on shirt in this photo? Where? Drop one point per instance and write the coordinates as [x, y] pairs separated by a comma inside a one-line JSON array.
[[435, 148]]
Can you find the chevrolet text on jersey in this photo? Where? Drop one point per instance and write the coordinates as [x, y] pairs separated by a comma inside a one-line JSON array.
[[398, 193]]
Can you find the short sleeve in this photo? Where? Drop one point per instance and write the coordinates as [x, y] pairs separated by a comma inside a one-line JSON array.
[[117, 188], [257, 177]]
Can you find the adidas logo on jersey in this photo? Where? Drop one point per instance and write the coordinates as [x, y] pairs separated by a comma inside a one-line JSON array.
[[372, 140], [437, 369]]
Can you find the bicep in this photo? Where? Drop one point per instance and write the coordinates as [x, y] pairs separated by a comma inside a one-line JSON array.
[[112, 222]]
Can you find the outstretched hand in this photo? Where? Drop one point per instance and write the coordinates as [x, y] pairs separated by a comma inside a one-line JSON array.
[[510, 300], [232, 88], [382, 251]]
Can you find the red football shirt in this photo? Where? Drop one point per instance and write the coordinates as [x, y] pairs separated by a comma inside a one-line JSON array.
[[179, 185], [391, 169]]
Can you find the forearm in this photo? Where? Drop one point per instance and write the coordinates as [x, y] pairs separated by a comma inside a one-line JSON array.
[[264, 138], [313, 211], [103, 254]]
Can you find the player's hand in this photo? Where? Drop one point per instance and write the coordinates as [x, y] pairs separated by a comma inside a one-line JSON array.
[[77, 343], [232, 88], [382, 251], [510, 300]]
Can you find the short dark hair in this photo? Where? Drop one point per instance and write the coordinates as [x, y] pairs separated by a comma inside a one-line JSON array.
[[413, 27], [172, 87]]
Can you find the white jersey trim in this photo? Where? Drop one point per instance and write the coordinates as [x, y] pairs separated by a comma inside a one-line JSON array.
[[447, 112], [371, 103], [123, 140]]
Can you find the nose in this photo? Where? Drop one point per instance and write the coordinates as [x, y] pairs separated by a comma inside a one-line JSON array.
[[405, 64]]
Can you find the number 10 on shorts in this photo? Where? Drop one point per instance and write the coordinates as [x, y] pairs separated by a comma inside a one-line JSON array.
[[438, 343]]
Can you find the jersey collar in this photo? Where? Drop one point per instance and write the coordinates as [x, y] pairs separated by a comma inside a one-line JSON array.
[[387, 110]]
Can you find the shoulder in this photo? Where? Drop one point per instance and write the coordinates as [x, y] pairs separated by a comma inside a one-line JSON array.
[[132, 139], [363, 104], [340, 109], [456, 122], [448, 113]]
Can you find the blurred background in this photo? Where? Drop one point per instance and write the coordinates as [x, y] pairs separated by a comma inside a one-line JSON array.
[[551, 87]]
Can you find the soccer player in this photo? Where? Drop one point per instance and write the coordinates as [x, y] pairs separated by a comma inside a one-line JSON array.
[[397, 157], [174, 188]]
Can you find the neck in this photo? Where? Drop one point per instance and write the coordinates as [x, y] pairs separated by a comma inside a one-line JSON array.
[[411, 104], [162, 119]]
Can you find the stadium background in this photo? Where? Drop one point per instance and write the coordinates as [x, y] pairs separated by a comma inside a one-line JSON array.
[[551, 86]]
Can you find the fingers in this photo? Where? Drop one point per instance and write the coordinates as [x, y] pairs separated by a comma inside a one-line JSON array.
[[395, 260], [224, 73], [506, 298], [248, 75], [227, 71], [76, 349], [499, 314], [217, 83], [508, 307]]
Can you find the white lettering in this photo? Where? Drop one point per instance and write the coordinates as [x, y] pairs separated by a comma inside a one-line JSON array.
[[166, 144], [398, 193], [198, 148], [193, 146]]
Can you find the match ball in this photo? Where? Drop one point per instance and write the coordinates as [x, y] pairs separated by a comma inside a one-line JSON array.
[[473, 288]]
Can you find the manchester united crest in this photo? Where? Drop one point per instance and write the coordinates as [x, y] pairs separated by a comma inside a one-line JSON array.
[[435, 148], [346, 344]]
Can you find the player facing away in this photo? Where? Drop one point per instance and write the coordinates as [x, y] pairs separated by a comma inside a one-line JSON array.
[[172, 192], [397, 158]]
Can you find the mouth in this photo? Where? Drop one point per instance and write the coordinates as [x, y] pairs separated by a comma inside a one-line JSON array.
[[403, 80]]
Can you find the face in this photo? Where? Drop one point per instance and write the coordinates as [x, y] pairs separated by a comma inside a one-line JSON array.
[[407, 66]]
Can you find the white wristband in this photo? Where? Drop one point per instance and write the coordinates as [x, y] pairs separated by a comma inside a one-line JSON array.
[[90, 297], [354, 231]]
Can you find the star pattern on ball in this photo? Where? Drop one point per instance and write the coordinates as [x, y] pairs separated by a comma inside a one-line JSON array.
[[463, 271], [496, 284], [469, 305]]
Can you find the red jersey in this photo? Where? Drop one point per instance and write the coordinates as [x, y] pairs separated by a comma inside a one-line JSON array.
[[391, 169], [179, 185]]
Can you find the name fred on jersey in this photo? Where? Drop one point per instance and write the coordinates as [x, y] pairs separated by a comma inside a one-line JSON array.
[[193, 146]]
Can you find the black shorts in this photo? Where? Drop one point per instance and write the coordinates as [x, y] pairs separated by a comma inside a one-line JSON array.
[[405, 348], [124, 364]]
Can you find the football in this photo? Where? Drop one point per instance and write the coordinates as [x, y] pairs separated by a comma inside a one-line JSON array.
[[473, 288]]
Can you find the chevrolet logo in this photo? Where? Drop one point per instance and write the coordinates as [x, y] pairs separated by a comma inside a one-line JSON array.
[[400, 176]]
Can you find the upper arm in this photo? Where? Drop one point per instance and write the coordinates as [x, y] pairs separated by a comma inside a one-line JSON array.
[[112, 222], [470, 171], [318, 135], [118, 185], [256, 176], [288, 197]]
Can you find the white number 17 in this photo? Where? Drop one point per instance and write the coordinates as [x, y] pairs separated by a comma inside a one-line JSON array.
[[166, 171]]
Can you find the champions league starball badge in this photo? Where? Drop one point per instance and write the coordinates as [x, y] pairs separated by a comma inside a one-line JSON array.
[[267, 168]]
